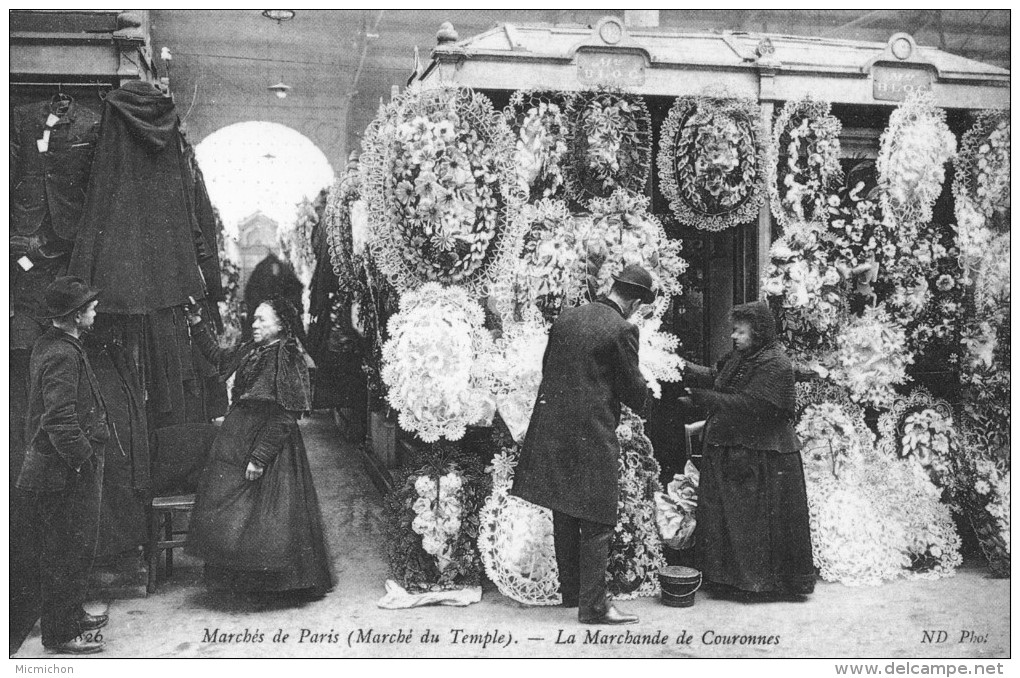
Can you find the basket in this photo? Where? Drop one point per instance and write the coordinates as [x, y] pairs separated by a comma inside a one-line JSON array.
[[679, 584]]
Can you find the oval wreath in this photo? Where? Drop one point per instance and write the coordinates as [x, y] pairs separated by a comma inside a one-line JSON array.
[[339, 232], [608, 144], [912, 155], [711, 161], [439, 179], [538, 120], [803, 161], [982, 168]]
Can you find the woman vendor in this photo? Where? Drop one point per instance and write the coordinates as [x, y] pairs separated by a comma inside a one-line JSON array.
[[752, 532], [256, 521]]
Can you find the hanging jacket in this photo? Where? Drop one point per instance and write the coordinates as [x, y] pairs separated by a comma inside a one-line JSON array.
[[138, 240]]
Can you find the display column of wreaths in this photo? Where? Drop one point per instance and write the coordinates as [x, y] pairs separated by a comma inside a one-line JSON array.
[[583, 159], [874, 296], [442, 198]]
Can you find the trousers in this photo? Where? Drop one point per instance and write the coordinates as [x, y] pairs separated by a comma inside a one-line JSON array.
[[66, 525], [582, 556]]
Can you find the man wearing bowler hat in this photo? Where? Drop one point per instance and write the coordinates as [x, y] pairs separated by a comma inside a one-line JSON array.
[[66, 431], [570, 455]]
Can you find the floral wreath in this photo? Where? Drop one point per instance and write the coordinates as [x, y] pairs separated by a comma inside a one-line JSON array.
[[805, 138], [982, 167], [826, 414], [514, 370], [983, 495], [871, 357], [805, 289], [439, 178], [538, 119], [623, 232], [921, 428], [430, 362], [657, 355], [550, 269], [515, 540], [711, 160], [339, 233], [635, 552], [609, 144], [911, 160], [432, 521]]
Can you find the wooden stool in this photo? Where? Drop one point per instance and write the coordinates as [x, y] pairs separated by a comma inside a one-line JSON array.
[[161, 523]]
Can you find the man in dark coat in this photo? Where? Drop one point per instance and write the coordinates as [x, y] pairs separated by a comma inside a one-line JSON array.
[[66, 431], [570, 455]]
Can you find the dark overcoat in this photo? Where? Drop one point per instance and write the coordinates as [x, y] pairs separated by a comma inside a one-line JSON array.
[[66, 428], [570, 455]]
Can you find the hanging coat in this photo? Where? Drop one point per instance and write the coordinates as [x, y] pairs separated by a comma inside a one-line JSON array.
[[138, 240]]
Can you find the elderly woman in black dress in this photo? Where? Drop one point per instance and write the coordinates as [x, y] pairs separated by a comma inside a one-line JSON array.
[[256, 521], [753, 532]]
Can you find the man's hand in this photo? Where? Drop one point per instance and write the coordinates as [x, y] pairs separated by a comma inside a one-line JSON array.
[[254, 471]]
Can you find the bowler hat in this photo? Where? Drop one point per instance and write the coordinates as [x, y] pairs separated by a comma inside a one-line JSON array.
[[67, 294], [638, 278]]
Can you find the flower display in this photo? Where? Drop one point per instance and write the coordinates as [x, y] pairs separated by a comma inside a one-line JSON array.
[[608, 144], [623, 232], [873, 517], [539, 122], [982, 179], [635, 552], [337, 219], [871, 357], [430, 362], [432, 520], [803, 161], [911, 160], [921, 428], [550, 270], [806, 288], [516, 540], [711, 161], [441, 186], [437, 515]]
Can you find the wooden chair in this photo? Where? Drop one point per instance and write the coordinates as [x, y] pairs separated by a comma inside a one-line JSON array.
[[163, 535], [693, 434]]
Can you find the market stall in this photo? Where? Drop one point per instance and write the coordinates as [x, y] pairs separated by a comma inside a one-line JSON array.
[[811, 173]]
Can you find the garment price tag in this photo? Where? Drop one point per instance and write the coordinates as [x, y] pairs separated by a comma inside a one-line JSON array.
[[25, 263], [52, 120]]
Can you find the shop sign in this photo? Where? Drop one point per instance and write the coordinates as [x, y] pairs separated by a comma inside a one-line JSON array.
[[896, 83], [611, 68]]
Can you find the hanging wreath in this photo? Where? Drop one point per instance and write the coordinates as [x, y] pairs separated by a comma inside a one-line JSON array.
[[711, 161], [920, 428], [983, 494], [608, 144], [340, 233], [550, 269], [982, 170], [911, 160], [430, 363], [806, 290], [832, 429], [439, 178], [803, 161], [538, 120], [515, 540], [432, 521], [625, 232]]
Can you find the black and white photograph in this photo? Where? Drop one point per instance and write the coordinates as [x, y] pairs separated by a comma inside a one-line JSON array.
[[510, 334]]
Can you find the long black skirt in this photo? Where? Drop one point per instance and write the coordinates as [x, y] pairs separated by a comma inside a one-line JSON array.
[[263, 535], [753, 531]]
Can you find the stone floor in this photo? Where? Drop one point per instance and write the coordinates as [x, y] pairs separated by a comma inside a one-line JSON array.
[[965, 616]]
